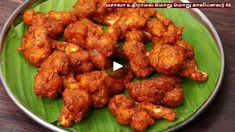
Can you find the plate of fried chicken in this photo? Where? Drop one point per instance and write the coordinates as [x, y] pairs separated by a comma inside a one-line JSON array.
[[56, 59]]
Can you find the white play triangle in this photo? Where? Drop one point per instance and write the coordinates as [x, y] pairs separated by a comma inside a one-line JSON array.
[[116, 66]]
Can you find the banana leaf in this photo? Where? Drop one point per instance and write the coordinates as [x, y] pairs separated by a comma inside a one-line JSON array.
[[19, 74]]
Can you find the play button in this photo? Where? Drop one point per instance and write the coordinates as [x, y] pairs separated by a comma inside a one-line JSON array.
[[116, 66], [117, 71]]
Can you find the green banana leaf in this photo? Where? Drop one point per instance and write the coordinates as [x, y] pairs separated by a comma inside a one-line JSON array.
[[19, 74]]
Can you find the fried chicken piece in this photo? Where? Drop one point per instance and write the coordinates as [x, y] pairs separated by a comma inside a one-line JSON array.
[[82, 61], [84, 67], [32, 18], [164, 30], [65, 117], [84, 8], [79, 59], [156, 28], [70, 82], [36, 46], [77, 56], [135, 52], [106, 43], [191, 71], [139, 115], [77, 32], [122, 107], [126, 112], [134, 19], [64, 17], [54, 22], [117, 84], [141, 120], [161, 90], [160, 33], [94, 83], [190, 68], [176, 59], [99, 53], [59, 61], [120, 101], [98, 59], [77, 102], [100, 86], [171, 55], [167, 59], [124, 115], [47, 83], [91, 37], [159, 112], [102, 46], [173, 34]]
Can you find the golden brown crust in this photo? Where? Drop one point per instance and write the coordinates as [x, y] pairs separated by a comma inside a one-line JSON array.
[[117, 85], [93, 83], [47, 83], [120, 101], [84, 8], [164, 30], [77, 32], [59, 61], [109, 18], [70, 82], [79, 59], [161, 90], [135, 52], [70, 67], [175, 97], [190, 68], [141, 120], [65, 118], [191, 71], [30, 17], [134, 19], [91, 37], [171, 55], [36, 46], [167, 59], [138, 115], [54, 22], [101, 86], [159, 112], [77, 101]]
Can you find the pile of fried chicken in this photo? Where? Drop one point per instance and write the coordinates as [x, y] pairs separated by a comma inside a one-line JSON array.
[[72, 51]]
